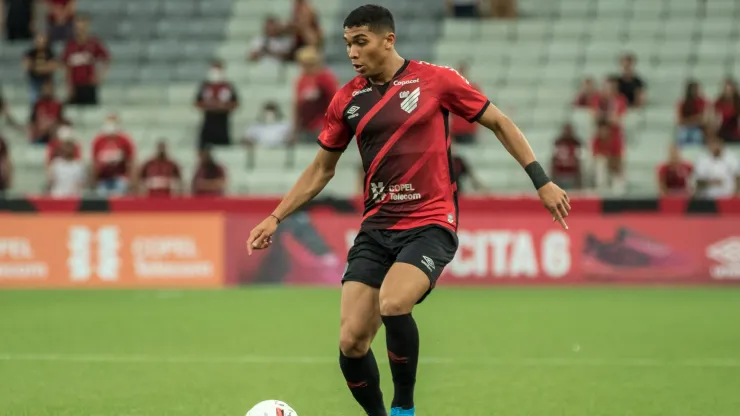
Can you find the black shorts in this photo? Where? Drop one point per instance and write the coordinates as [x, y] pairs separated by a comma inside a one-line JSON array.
[[429, 248], [85, 95]]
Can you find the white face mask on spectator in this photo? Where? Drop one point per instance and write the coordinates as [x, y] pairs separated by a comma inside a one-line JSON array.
[[270, 117], [110, 127], [215, 75], [64, 133]]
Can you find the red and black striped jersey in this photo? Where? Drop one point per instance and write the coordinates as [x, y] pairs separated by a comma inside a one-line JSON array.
[[402, 132]]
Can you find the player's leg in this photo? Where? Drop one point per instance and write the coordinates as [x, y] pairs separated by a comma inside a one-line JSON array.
[[409, 281], [360, 320], [367, 264]]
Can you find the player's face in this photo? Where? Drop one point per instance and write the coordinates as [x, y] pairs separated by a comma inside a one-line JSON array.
[[367, 50]]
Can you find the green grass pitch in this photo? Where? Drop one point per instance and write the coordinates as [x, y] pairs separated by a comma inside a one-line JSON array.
[[506, 351]]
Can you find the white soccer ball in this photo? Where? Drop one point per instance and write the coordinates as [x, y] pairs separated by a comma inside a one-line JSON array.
[[272, 408]]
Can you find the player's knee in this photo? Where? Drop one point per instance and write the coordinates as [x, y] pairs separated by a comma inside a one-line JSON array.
[[394, 306], [354, 344]]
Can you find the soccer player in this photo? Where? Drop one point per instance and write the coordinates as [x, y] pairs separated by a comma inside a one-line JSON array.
[[398, 110]]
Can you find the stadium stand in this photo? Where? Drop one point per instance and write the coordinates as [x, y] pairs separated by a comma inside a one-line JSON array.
[[530, 67]]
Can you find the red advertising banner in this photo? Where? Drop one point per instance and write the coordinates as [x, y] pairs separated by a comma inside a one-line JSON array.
[[511, 249]]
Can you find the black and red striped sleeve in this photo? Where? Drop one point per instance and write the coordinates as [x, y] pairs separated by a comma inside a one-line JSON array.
[[336, 134], [460, 97]]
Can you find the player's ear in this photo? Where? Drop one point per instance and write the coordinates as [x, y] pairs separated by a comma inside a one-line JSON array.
[[390, 40]]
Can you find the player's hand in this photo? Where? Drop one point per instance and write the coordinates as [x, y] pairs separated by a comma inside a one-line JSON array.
[[556, 201], [261, 236]]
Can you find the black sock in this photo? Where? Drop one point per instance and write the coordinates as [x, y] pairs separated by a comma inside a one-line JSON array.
[[363, 380], [402, 339]]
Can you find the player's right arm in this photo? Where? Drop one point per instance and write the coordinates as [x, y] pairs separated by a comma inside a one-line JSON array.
[[333, 140]]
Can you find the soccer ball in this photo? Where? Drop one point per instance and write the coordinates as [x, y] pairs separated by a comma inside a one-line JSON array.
[[272, 408]]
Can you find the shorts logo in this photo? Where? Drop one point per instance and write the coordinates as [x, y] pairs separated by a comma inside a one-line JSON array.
[[429, 263], [450, 218], [352, 112], [412, 101], [378, 190], [727, 254]]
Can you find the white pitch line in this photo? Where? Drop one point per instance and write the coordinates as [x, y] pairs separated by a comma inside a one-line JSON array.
[[318, 360]]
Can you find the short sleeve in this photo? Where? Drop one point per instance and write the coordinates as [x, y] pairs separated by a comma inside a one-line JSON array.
[[335, 135], [460, 97]]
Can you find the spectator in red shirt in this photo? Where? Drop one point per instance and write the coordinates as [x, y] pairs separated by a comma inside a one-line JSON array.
[[210, 176], [217, 99], [60, 19], [40, 65], [6, 166], [82, 56], [463, 174], [587, 94], [691, 115], [305, 27], [608, 148], [113, 159], [46, 116], [160, 176], [314, 90], [674, 175], [463, 131], [610, 105], [64, 134], [566, 159], [727, 108]]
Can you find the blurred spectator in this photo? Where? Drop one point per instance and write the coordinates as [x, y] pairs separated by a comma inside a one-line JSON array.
[[210, 176], [727, 108], [66, 174], [566, 159], [6, 166], [40, 65], [160, 176], [64, 133], [5, 113], [217, 99], [674, 174], [608, 147], [113, 155], [305, 27], [82, 56], [464, 174], [631, 85], [271, 129], [691, 115], [19, 18], [272, 45], [717, 171], [60, 19], [506, 9], [314, 90], [463, 131], [463, 8], [46, 115], [587, 94], [610, 104]]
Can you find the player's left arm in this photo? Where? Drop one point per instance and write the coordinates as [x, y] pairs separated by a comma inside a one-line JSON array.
[[554, 198]]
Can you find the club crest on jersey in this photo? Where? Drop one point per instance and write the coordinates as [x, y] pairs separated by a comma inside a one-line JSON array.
[[411, 100], [378, 190]]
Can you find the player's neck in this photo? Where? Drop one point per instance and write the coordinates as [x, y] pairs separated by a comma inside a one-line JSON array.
[[391, 68]]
